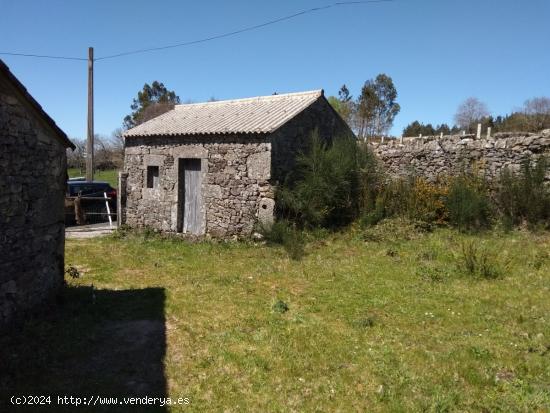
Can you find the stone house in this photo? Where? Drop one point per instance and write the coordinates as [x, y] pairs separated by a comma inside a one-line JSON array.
[[211, 168], [33, 176]]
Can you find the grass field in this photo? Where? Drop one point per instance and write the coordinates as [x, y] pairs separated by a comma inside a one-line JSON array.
[[110, 175], [365, 321]]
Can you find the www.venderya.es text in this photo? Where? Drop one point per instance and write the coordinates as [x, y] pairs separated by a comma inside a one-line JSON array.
[[95, 400]]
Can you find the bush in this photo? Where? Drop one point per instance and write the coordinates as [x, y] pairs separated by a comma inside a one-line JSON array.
[[426, 202], [393, 229], [477, 261], [524, 197], [415, 199], [285, 234], [328, 187], [280, 307], [468, 203]]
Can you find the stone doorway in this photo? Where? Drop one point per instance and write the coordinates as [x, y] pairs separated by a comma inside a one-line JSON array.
[[189, 196]]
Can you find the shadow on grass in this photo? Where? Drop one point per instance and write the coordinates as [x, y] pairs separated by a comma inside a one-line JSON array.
[[94, 343]]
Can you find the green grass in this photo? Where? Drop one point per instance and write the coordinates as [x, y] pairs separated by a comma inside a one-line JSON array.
[[110, 175], [372, 321]]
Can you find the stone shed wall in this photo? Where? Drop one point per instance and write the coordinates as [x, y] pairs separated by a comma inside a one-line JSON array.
[[235, 181], [431, 157], [293, 138], [32, 189]]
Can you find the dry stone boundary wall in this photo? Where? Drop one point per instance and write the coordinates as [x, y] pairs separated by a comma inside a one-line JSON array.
[[433, 157]]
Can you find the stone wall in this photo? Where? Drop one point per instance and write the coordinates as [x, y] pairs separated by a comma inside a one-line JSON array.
[[293, 138], [239, 173], [235, 181], [431, 157], [32, 190]]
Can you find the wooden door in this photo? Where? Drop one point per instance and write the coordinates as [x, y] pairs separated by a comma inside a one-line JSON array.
[[189, 183]]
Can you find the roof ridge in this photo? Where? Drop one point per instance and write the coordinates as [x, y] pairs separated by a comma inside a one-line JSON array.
[[260, 114], [319, 92]]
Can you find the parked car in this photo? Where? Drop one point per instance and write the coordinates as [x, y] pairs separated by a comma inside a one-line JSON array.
[[90, 189], [95, 209]]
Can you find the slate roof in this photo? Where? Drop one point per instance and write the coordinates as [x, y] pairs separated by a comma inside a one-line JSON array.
[[262, 114], [6, 73]]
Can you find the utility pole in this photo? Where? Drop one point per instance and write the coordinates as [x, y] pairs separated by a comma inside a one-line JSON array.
[[90, 140]]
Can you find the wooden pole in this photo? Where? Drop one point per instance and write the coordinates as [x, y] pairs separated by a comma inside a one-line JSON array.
[[90, 140]]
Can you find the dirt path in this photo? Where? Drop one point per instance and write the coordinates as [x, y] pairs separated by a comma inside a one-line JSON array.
[[89, 231]]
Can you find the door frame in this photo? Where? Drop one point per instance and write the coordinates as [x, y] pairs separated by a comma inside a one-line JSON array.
[[180, 193]]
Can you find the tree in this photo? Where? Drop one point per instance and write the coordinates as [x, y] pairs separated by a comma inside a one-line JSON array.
[[75, 157], [537, 106], [470, 112], [153, 100], [443, 128], [537, 111], [376, 107], [343, 104], [117, 146], [108, 152], [416, 128], [343, 94], [413, 129]]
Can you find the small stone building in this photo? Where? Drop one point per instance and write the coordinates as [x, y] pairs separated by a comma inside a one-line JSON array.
[[33, 176], [211, 168]]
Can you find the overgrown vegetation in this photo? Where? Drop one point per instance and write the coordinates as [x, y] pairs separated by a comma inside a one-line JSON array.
[[327, 189], [524, 197], [341, 182], [413, 198], [475, 260], [468, 203], [285, 234]]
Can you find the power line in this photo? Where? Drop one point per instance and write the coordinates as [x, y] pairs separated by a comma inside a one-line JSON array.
[[246, 29], [43, 56], [207, 39]]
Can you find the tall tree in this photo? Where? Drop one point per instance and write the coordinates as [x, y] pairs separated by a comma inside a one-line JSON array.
[[376, 107], [343, 104], [537, 111], [416, 128], [443, 128], [413, 129], [153, 100], [470, 112]]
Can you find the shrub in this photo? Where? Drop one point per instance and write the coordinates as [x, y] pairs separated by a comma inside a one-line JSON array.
[[468, 203], [392, 229], [477, 261], [280, 307], [72, 271], [426, 202], [415, 199], [327, 188], [285, 234], [433, 272], [525, 197], [540, 258]]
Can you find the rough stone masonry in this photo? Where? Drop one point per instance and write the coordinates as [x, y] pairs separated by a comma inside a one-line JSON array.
[[32, 189], [239, 171], [433, 157]]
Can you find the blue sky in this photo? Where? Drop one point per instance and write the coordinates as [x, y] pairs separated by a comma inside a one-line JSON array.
[[437, 52]]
